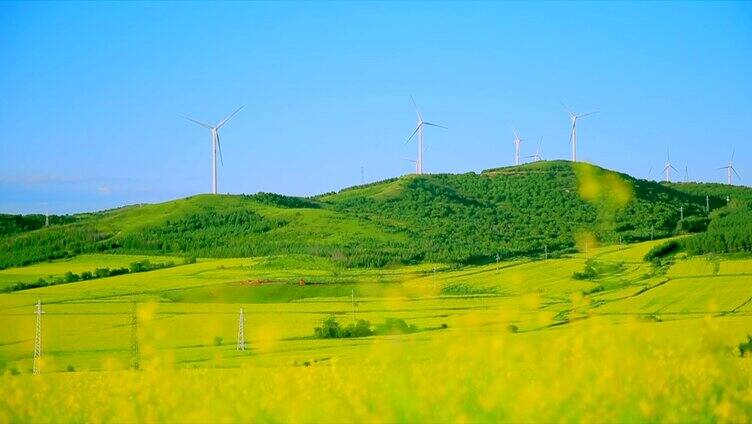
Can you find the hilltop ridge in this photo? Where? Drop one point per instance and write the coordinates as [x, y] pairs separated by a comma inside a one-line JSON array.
[[508, 211]]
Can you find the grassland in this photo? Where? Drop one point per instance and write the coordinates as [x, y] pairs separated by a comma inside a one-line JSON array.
[[520, 340]]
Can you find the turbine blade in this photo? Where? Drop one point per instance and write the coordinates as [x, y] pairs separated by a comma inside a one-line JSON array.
[[732, 154], [420, 118], [569, 111], [672, 167], [413, 134], [435, 125], [197, 122], [737, 174], [224, 121], [587, 114]]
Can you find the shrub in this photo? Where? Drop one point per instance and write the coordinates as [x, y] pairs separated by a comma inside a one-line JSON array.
[[71, 277], [360, 329], [460, 289], [663, 250], [394, 326], [218, 340], [102, 272], [329, 329], [745, 347], [595, 269]]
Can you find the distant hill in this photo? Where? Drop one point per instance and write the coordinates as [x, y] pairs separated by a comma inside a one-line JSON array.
[[14, 224], [519, 210]]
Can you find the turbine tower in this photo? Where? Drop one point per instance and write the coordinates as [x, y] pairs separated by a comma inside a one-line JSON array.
[[415, 162], [729, 169], [517, 143], [668, 167], [216, 146], [573, 117], [538, 156], [419, 131]]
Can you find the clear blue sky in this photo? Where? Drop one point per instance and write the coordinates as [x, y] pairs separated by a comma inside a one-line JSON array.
[[92, 93]]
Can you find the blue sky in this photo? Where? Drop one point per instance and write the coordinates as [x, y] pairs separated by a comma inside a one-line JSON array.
[[92, 93]]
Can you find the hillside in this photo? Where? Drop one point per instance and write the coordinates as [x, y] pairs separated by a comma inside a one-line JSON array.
[[522, 210]]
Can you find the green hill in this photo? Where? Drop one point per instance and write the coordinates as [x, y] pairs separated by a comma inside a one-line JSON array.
[[521, 210]]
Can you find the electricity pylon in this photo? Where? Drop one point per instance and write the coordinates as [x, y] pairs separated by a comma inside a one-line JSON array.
[[134, 339], [38, 338], [241, 331]]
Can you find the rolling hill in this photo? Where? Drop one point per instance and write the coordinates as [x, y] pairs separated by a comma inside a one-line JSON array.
[[523, 210]]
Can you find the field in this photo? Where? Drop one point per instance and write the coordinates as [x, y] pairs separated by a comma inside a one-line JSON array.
[[516, 341]]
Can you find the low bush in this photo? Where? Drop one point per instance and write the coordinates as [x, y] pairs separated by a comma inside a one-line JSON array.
[[394, 326], [662, 250], [331, 329], [595, 269], [460, 289], [745, 347]]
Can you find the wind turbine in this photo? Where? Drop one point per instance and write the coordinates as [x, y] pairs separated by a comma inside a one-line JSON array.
[[413, 161], [419, 131], [668, 167], [216, 146], [537, 157], [517, 143], [730, 168], [573, 117]]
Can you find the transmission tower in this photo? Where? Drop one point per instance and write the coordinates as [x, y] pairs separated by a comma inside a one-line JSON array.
[[38, 338], [134, 339], [241, 331]]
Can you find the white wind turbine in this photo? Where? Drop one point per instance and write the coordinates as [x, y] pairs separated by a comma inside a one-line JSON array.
[[413, 161], [517, 144], [668, 167], [538, 156], [730, 168], [216, 146], [573, 117], [419, 131]]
